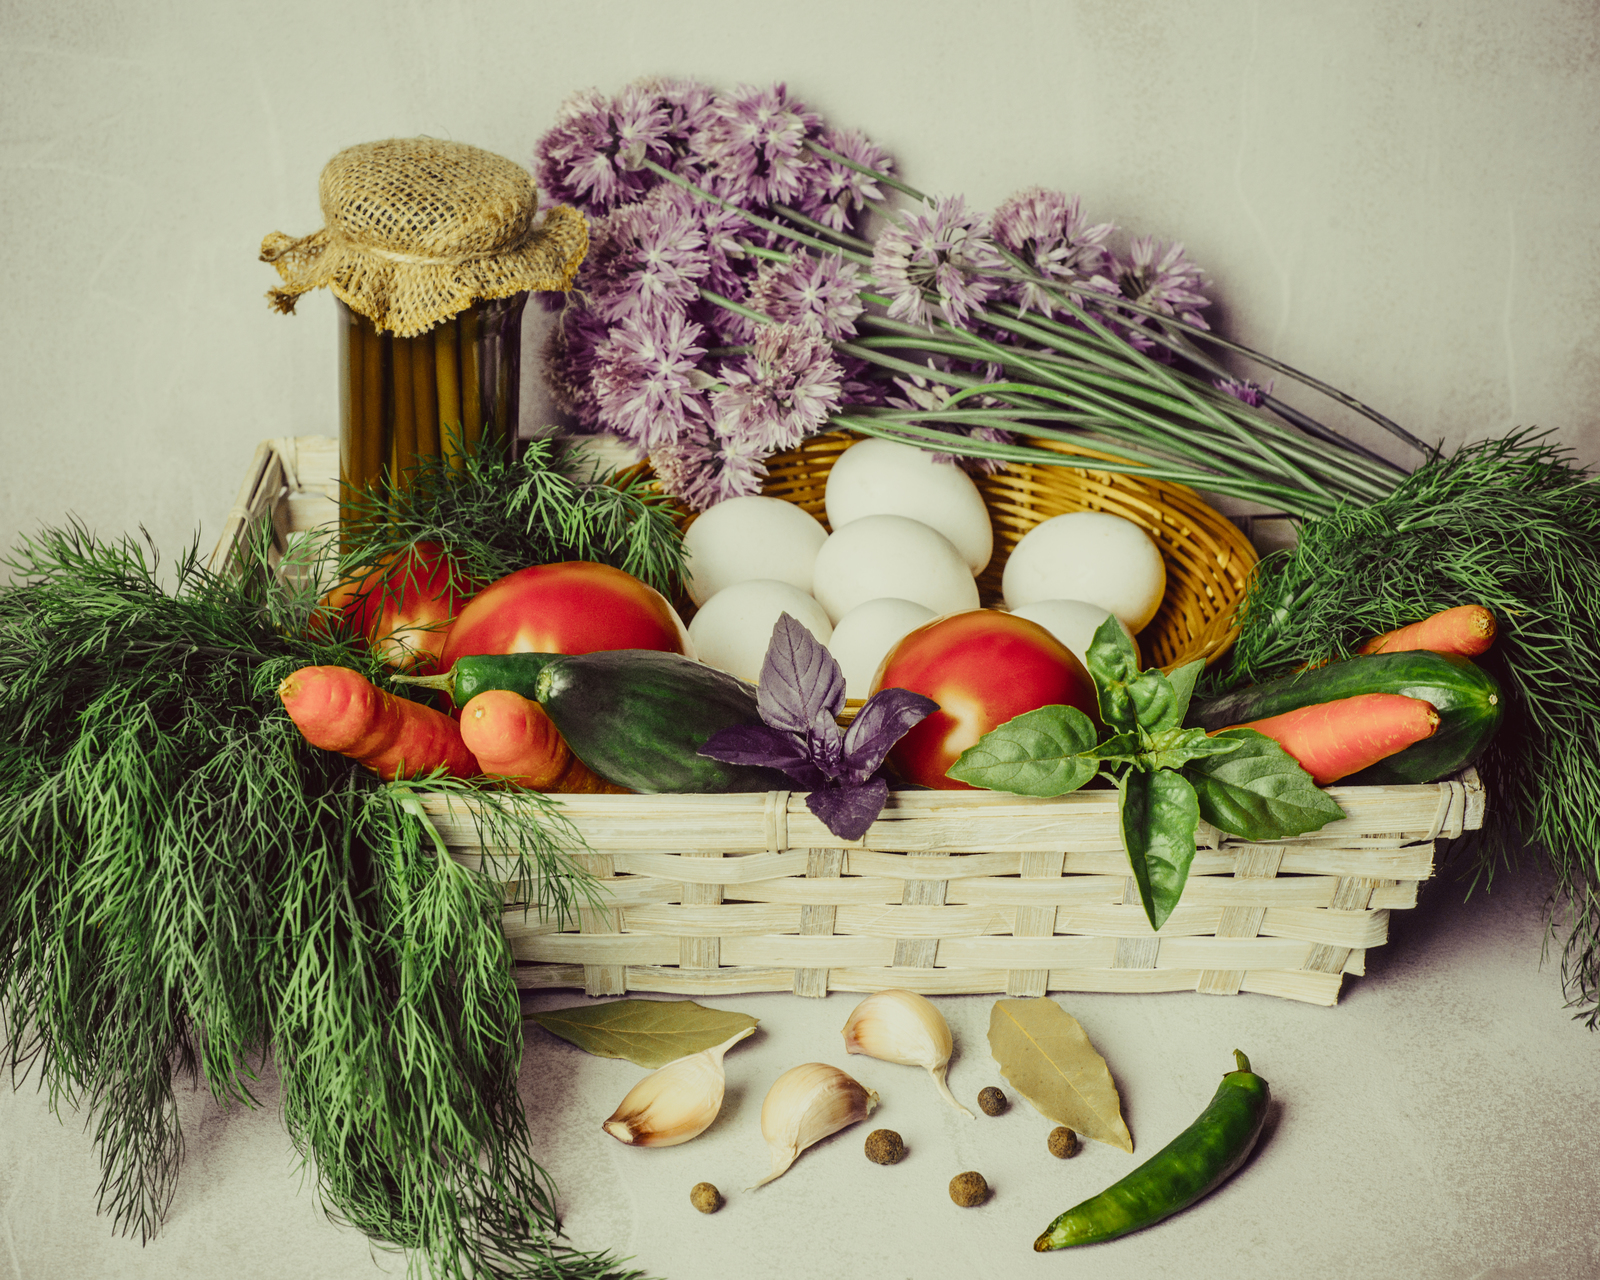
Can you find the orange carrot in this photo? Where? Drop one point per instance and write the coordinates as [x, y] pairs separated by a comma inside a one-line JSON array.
[[1332, 740], [340, 710], [513, 737], [1466, 630], [579, 779]]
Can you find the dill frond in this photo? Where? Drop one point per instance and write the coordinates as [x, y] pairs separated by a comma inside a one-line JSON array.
[[496, 516], [1511, 524], [186, 885]]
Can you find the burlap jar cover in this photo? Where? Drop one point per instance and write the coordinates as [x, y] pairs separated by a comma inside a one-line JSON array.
[[418, 229], [431, 249]]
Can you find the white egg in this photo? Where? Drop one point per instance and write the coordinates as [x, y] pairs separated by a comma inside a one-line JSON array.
[[754, 537], [891, 556], [886, 478], [866, 633], [1090, 556], [732, 630], [1073, 622]]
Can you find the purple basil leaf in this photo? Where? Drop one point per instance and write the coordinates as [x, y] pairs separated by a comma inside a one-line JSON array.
[[826, 744], [849, 810], [756, 744], [759, 744], [878, 726], [799, 679]]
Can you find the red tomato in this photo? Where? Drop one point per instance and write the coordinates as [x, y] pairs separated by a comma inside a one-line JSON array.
[[404, 605], [573, 607], [982, 668]]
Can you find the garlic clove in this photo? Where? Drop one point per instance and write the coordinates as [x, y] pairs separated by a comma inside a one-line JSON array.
[[676, 1102], [805, 1105], [904, 1027]]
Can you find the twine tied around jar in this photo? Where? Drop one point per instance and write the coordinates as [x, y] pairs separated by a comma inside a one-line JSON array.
[[418, 229]]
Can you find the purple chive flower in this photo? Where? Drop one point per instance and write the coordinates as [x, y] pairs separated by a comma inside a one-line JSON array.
[[646, 259], [583, 160], [788, 388], [688, 108], [1245, 391], [726, 232], [1047, 231], [835, 193], [826, 289], [701, 468], [569, 362], [1162, 277], [944, 250], [647, 379], [756, 145]]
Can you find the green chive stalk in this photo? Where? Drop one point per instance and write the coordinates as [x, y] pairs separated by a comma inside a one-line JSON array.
[[1513, 524]]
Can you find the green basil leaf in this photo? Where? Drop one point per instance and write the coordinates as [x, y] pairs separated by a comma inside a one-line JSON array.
[[1259, 791], [1130, 698], [1113, 664], [1183, 681], [1174, 748], [1121, 747], [1160, 815], [1047, 752]]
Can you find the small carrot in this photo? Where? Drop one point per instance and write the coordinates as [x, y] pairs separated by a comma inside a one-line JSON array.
[[580, 779], [1466, 630], [514, 738], [340, 710], [1332, 740]]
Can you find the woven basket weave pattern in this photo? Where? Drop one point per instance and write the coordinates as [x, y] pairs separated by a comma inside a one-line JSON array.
[[948, 892], [1208, 559]]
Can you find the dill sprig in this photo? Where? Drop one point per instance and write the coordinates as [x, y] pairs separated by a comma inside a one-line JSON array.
[[1514, 525], [496, 515], [186, 886]]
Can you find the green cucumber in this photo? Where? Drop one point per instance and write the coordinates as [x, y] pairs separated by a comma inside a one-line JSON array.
[[1465, 695], [639, 717], [636, 717]]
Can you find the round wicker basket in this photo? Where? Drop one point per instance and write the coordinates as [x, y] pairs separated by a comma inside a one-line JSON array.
[[1208, 558]]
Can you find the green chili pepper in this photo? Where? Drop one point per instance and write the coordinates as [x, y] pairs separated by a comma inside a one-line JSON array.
[[471, 675], [1197, 1161]]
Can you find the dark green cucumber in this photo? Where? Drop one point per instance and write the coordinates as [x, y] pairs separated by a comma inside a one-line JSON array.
[[638, 718], [1465, 695]]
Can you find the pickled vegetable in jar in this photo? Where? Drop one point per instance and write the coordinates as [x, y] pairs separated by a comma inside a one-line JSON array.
[[431, 249]]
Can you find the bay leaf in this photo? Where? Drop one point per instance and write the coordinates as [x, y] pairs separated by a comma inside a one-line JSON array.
[[1046, 1057], [650, 1033]]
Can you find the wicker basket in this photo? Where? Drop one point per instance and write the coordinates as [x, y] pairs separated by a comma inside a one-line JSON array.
[[1208, 560], [951, 892]]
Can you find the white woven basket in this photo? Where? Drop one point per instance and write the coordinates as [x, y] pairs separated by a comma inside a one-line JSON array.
[[948, 892]]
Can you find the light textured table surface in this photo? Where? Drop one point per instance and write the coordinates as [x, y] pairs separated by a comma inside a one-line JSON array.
[[1438, 1124], [1395, 195]]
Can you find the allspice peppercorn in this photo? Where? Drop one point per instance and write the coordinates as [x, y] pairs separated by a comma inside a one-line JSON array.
[[968, 1189], [992, 1101], [1063, 1142], [884, 1146], [705, 1197]]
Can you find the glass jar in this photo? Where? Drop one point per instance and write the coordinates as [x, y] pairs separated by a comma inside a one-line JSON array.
[[444, 394]]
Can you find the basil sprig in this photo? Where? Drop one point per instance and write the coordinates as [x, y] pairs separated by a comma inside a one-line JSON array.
[[1167, 777], [799, 699]]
